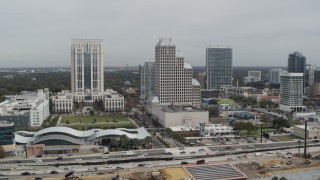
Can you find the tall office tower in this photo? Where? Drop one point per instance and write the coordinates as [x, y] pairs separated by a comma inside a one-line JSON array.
[[275, 74], [87, 65], [297, 64], [291, 92], [312, 75], [146, 80], [219, 67], [173, 77]]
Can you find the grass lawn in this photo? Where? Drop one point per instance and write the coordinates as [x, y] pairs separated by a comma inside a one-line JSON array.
[[101, 126], [89, 119]]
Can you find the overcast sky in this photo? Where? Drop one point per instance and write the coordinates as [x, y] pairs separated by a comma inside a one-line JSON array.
[[38, 33]]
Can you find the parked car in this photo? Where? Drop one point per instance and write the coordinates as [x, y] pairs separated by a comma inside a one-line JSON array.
[[193, 152], [181, 148], [54, 172], [307, 162], [227, 147], [104, 157], [184, 162], [39, 156], [289, 162], [183, 152], [119, 168], [201, 150], [18, 162], [140, 165]]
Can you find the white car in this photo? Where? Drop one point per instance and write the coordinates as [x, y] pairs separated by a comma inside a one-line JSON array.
[[104, 157], [108, 166], [32, 172], [276, 166], [79, 159], [38, 161], [91, 170], [238, 149]]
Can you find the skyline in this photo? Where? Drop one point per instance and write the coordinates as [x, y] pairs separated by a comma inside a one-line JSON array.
[[264, 33]]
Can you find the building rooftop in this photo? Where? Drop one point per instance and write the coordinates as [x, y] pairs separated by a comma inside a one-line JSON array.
[[165, 42], [187, 66], [174, 109]]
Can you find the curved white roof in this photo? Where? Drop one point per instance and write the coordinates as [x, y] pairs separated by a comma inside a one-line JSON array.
[[140, 133]]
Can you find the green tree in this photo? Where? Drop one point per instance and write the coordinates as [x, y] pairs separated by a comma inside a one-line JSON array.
[[279, 123], [283, 178], [275, 178], [124, 140], [91, 112], [67, 122], [148, 141]]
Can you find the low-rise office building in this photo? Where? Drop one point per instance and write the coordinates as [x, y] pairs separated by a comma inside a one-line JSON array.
[[313, 131], [216, 130], [7, 136], [28, 109], [170, 116]]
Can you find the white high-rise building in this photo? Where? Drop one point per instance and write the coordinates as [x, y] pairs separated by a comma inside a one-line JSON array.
[[253, 76], [146, 80], [87, 65], [291, 92], [173, 77], [275, 74]]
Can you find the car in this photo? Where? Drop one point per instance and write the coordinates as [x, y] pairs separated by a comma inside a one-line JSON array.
[[201, 150], [285, 156], [184, 162], [79, 159], [238, 149], [140, 165], [307, 162], [229, 159], [62, 155], [91, 170], [54, 172], [269, 152], [227, 147], [108, 166], [276, 166], [38, 178], [18, 162], [181, 148], [104, 157], [167, 153], [119, 168], [33, 172], [289, 162], [60, 158], [193, 152], [71, 170], [202, 161], [251, 146], [146, 154], [38, 161], [316, 140], [25, 173], [183, 152], [278, 152], [39, 156]]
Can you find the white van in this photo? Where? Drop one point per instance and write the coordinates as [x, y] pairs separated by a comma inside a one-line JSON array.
[[258, 154]]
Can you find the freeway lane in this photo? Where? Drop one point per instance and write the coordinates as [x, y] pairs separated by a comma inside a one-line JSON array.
[[159, 152]]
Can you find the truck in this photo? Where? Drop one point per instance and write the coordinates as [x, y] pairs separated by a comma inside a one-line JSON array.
[[128, 153]]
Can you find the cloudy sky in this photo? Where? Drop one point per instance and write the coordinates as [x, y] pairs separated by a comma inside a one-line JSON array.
[[38, 33]]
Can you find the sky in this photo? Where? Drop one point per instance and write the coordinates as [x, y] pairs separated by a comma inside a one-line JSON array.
[[38, 33]]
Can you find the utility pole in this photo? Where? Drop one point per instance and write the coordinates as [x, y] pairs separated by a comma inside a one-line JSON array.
[[299, 147], [261, 134], [305, 140]]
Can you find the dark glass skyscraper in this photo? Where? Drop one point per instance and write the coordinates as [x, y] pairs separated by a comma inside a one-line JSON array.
[[218, 67], [297, 64]]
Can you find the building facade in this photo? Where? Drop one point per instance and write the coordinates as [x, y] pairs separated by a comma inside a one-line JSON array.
[[297, 64], [173, 77], [291, 92], [275, 74], [146, 80], [253, 76], [202, 78], [87, 63], [219, 67], [28, 109], [7, 136]]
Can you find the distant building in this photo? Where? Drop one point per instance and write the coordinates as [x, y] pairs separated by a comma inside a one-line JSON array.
[[315, 90], [253, 76], [297, 64], [55, 140], [202, 78], [87, 62], [171, 116], [7, 136], [291, 92], [146, 80], [28, 109], [173, 77], [218, 67], [275, 74], [216, 130], [313, 131]]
